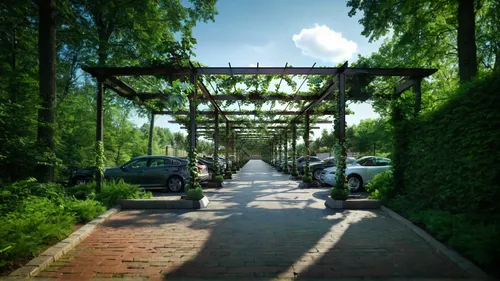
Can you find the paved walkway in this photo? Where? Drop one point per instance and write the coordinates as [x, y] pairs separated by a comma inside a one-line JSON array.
[[259, 225]]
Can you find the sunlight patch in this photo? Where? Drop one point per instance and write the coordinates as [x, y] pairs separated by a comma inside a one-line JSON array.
[[323, 43]]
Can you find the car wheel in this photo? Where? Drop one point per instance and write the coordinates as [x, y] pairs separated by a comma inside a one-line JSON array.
[[175, 184], [317, 174], [80, 181], [354, 182]]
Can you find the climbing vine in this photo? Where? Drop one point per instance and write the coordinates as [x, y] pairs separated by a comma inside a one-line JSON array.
[[341, 190]]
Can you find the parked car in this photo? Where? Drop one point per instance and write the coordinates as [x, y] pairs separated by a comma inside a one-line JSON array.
[[149, 172], [222, 163], [83, 175], [210, 166], [301, 162], [318, 167], [358, 175]]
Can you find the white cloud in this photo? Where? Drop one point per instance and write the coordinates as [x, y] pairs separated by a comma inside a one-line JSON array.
[[323, 43]]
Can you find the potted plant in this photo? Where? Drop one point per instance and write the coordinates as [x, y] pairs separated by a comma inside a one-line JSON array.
[[337, 197]]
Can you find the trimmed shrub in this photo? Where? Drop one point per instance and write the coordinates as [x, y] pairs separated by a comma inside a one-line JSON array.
[[306, 179], [219, 178], [194, 194], [339, 193]]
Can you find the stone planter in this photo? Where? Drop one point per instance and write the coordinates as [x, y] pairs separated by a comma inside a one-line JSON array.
[[312, 184], [352, 204], [127, 204], [212, 184], [334, 204]]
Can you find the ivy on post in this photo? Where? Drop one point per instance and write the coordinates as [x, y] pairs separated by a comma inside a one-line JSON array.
[[99, 136], [228, 173], [400, 142], [307, 169], [193, 169], [341, 190], [280, 159], [233, 156], [216, 147], [285, 166], [151, 133], [294, 150]]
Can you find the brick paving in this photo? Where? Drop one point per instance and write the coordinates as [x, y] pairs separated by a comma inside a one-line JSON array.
[[259, 225]]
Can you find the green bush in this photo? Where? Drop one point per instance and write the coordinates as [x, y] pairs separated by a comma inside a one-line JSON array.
[[219, 178], [339, 193], [82, 191], [85, 210], [228, 174], [194, 194], [478, 241], [36, 223], [382, 186], [113, 190], [306, 179]]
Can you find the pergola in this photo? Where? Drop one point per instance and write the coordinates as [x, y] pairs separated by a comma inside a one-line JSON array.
[[109, 77]]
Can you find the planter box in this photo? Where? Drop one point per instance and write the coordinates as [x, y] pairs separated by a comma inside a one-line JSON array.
[[353, 204], [127, 204], [212, 184], [312, 184]]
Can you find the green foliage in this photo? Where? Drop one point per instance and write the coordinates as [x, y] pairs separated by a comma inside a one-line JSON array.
[[339, 193], [382, 186], [477, 240], [195, 193], [85, 210], [454, 144], [306, 179], [36, 223], [114, 190], [219, 178], [451, 183]]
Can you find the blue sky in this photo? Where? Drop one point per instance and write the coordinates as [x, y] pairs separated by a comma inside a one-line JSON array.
[[274, 32]]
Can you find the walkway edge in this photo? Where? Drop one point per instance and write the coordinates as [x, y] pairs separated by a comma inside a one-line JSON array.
[[463, 263], [55, 252]]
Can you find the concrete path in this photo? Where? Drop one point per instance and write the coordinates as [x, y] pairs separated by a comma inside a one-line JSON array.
[[259, 225]]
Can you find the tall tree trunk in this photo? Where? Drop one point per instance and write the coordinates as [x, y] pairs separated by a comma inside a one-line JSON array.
[[467, 57], [47, 70]]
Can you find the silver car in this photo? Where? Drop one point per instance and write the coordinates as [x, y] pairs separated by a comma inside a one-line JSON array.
[[155, 172]]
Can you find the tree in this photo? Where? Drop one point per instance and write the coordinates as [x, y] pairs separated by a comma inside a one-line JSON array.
[[441, 28], [46, 112]]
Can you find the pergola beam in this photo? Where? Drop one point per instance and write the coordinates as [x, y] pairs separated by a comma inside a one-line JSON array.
[[250, 112], [254, 122], [246, 128], [162, 71]]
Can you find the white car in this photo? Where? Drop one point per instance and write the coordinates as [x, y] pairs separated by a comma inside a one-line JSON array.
[[358, 175]]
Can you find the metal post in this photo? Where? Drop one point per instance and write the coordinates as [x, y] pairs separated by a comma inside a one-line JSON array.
[[417, 89], [99, 134], [285, 168], [342, 164], [307, 143], [151, 132], [294, 149], [228, 168], [216, 145], [280, 159], [192, 127]]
